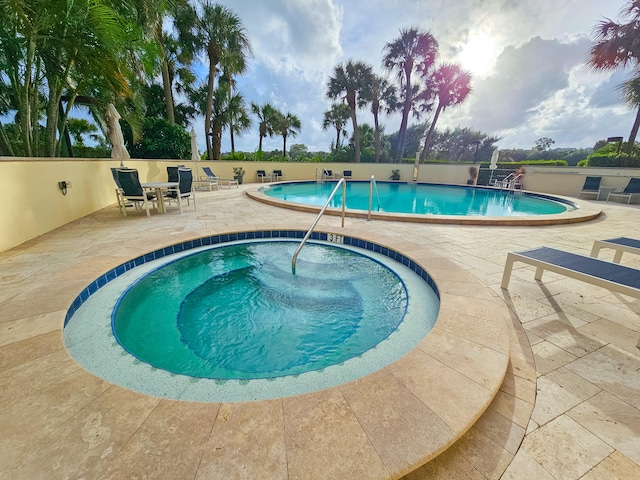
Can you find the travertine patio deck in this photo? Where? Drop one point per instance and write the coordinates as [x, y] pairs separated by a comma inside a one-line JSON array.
[[60, 421]]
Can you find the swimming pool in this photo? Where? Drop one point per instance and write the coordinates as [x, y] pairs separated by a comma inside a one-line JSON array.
[[435, 203], [421, 198], [89, 337]]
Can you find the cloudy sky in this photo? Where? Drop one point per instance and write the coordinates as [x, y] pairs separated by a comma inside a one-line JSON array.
[[527, 58]]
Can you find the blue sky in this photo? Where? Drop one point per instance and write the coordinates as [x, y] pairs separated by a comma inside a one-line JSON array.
[[527, 57]]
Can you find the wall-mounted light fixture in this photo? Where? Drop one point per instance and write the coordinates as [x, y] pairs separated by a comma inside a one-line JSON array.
[[64, 186]]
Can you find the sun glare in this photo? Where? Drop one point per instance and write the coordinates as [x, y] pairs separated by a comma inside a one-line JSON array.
[[479, 54]]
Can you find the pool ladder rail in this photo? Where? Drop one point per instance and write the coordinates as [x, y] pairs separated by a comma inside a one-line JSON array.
[[341, 183]]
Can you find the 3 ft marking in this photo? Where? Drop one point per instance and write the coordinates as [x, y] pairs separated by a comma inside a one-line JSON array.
[[333, 238]]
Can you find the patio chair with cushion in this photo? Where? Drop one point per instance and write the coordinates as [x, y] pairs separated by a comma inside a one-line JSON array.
[[184, 177], [262, 176], [278, 175], [132, 191], [327, 174], [632, 190], [212, 177], [591, 186], [346, 174]]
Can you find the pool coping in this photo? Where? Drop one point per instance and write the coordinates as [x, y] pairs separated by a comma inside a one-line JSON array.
[[407, 413], [89, 331], [583, 213]]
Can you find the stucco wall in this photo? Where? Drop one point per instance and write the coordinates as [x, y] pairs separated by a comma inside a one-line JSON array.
[[34, 204]]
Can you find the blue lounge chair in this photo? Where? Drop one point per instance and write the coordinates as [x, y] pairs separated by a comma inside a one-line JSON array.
[[212, 177], [620, 245], [632, 188], [591, 186], [611, 276], [346, 174]]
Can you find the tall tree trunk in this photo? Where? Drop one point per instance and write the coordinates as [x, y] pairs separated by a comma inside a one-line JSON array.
[[168, 94], [284, 146], [425, 149], [64, 145], [377, 134], [351, 101], [260, 143], [5, 146], [166, 80], [406, 109], [634, 132], [229, 96], [356, 134], [51, 129], [338, 130], [26, 113], [217, 138], [209, 110]]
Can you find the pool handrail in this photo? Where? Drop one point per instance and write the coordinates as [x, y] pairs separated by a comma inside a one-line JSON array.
[[373, 183], [315, 222]]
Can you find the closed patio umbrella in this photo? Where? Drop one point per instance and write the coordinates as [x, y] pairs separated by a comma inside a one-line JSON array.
[[195, 155], [118, 150], [494, 163]]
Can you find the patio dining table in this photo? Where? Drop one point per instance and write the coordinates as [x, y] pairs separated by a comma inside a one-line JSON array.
[[160, 188]]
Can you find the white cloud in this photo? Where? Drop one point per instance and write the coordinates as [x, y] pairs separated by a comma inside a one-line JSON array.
[[531, 80]]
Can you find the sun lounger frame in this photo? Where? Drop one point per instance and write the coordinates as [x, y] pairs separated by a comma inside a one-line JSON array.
[[620, 245], [541, 266]]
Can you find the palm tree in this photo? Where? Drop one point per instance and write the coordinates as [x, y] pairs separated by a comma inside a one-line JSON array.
[[349, 82], [286, 125], [413, 48], [238, 120], [79, 127], [616, 47], [383, 98], [266, 115], [337, 117], [451, 86], [225, 41]]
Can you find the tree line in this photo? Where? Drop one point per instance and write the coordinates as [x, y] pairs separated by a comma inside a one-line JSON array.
[[56, 55]]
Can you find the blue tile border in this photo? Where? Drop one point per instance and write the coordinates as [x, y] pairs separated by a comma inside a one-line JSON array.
[[112, 274]]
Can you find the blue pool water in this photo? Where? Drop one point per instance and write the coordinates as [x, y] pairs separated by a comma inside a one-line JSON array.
[[422, 198], [200, 307], [237, 312]]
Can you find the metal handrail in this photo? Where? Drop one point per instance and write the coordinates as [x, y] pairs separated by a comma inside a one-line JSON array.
[[373, 183], [315, 222], [321, 172]]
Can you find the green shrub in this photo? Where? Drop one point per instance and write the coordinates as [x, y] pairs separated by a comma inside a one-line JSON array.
[[600, 159]]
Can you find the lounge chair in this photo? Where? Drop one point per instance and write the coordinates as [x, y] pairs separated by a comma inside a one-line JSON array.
[[277, 175], [620, 245], [131, 191], [611, 276], [632, 188], [346, 174], [184, 177], [327, 174], [212, 177], [591, 186], [262, 176]]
